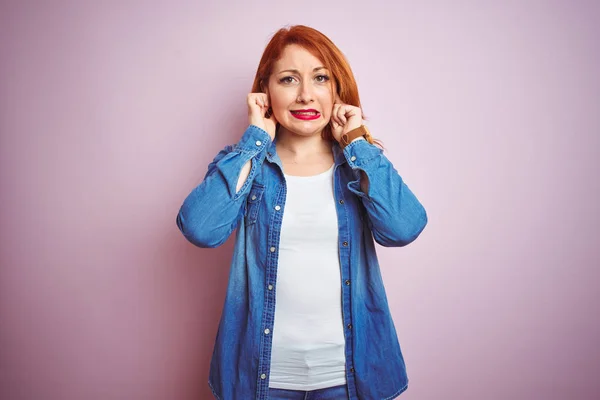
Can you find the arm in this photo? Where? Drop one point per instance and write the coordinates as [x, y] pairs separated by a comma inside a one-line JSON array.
[[395, 216], [211, 212]]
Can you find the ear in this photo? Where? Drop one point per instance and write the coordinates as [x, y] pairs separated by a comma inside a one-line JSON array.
[[264, 87], [338, 99], [335, 92]]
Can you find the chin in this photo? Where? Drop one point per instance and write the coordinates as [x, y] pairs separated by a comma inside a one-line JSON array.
[[306, 132]]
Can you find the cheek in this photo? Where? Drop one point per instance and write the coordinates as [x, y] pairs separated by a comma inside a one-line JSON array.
[[327, 105], [279, 102], [325, 98], [279, 108]]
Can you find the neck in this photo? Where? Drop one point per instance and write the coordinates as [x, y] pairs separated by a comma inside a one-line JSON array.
[[302, 147]]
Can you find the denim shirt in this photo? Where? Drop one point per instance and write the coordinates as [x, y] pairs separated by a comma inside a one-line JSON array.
[[388, 214]]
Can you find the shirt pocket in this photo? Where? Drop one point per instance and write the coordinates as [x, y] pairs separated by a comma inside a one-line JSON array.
[[253, 203]]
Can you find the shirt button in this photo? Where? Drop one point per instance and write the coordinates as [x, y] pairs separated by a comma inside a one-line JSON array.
[[347, 282], [272, 249], [351, 369], [253, 197], [277, 208], [341, 201], [345, 244], [263, 376], [349, 326], [258, 142], [270, 287], [353, 158], [267, 331]]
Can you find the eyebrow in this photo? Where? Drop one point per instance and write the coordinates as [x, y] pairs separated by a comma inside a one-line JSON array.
[[297, 72]]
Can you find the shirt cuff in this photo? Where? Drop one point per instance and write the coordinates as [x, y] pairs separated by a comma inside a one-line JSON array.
[[254, 140], [359, 152]]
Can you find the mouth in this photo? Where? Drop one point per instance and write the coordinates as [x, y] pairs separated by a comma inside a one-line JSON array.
[[305, 114]]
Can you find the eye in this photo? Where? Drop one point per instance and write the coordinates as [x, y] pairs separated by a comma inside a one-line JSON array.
[[287, 79], [322, 78]]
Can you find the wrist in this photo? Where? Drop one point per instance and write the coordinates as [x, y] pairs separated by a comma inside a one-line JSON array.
[[354, 134]]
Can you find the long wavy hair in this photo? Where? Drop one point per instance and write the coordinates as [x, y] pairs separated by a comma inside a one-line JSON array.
[[321, 47]]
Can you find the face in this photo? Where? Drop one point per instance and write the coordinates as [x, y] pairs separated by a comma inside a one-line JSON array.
[[300, 92]]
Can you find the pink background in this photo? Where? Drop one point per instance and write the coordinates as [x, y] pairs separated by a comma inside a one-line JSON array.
[[111, 111]]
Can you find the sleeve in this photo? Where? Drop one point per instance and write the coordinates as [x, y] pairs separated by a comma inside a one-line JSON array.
[[395, 215], [211, 212]]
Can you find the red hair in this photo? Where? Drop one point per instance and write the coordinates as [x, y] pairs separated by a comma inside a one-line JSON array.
[[321, 47]]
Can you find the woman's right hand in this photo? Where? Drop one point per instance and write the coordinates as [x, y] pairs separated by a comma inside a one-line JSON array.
[[258, 105]]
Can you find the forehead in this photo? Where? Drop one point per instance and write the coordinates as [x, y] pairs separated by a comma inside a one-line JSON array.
[[296, 57]]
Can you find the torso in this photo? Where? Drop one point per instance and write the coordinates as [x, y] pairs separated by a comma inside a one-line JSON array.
[[308, 329]]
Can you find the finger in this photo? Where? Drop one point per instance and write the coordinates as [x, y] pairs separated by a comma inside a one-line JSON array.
[[333, 122], [334, 113], [341, 115], [349, 112], [256, 100], [264, 99]]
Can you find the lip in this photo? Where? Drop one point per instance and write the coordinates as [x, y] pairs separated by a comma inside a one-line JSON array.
[[305, 117]]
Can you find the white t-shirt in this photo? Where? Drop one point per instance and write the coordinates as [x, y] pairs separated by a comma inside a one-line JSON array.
[[308, 332]]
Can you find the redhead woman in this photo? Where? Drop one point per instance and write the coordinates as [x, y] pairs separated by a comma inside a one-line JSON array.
[[309, 193]]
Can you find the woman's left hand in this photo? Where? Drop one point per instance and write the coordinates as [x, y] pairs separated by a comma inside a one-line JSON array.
[[344, 118]]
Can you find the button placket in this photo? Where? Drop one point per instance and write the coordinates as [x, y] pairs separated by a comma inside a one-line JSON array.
[[266, 335]]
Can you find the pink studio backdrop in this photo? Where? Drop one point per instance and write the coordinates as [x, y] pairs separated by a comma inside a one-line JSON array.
[[111, 111]]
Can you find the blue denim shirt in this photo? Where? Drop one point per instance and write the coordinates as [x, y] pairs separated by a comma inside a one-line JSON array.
[[388, 214]]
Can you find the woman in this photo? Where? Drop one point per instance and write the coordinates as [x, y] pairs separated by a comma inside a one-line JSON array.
[[306, 314]]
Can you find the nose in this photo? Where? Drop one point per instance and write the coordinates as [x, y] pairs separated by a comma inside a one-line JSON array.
[[304, 93]]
